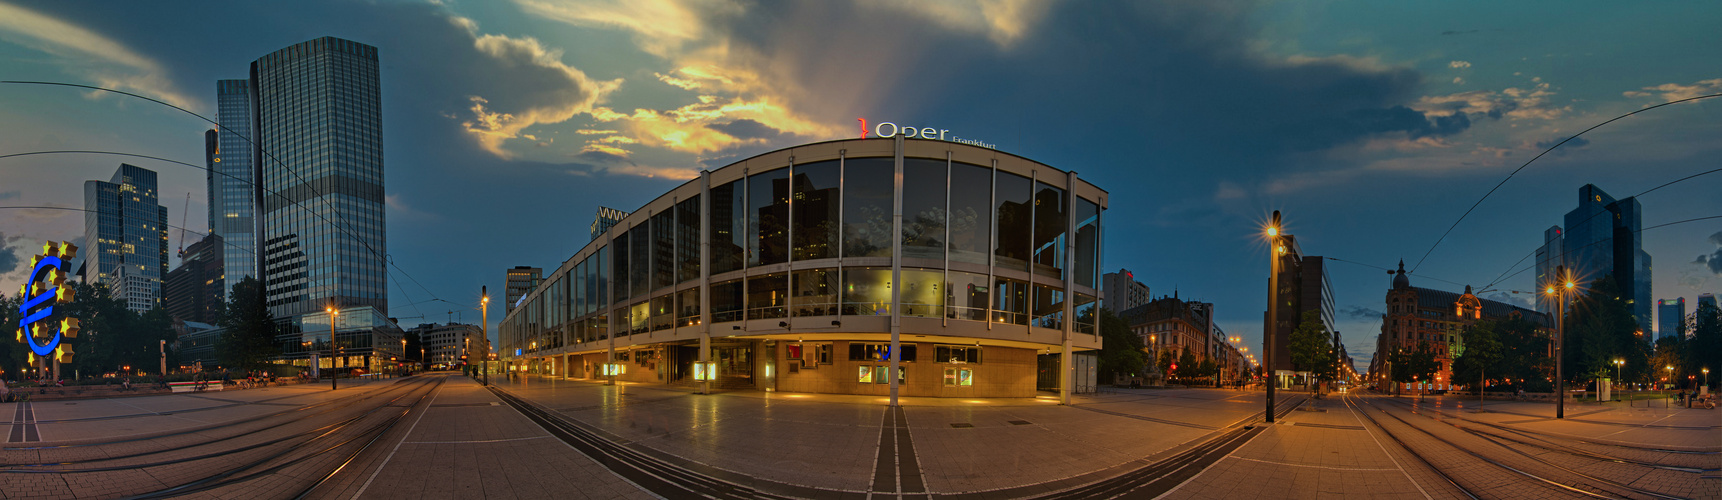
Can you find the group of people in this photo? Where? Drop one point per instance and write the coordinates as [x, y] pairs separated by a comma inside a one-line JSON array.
[[1690, 399]]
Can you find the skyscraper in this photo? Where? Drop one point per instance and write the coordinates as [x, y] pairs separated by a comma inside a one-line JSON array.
[[1121, 292], [605, 219], [193, 291], [1550, 255], [1669, 313], [1706, 299], [125, 230], [317, 119], [1602, 239], [232, 194], [521, 281]]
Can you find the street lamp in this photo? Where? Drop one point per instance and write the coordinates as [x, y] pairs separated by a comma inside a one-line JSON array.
[[336, 375], [1274, 251], [484, 328], [1617, 364], [1560, 294], [1706, 371]]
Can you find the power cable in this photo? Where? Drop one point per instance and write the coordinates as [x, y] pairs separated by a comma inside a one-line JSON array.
[[1533, 159]]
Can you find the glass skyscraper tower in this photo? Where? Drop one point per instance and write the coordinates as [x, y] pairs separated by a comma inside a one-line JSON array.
[[1602, 239], [317, 117], [125, 234], [231, 192]]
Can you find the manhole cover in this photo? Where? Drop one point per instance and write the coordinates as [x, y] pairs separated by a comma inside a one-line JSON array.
[[1021, 422], [961, 426]]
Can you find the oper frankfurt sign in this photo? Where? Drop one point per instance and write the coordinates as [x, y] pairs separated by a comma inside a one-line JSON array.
[[47, 286], [888, 129]]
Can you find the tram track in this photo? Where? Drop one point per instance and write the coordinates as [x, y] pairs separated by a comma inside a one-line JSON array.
[[1561, 479], [1691, 462]]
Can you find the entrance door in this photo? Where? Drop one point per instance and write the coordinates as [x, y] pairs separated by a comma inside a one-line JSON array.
[[685, 358], [1046, 378]]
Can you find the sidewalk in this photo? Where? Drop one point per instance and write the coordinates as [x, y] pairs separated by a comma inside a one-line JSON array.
[[95, 420]]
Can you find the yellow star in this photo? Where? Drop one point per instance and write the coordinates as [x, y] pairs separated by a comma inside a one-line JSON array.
[[68, 250], [49, 250], [64, 294]]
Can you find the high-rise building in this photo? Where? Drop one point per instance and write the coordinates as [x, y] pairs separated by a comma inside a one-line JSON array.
[[1303, 286], [605, 219], [319, 154], [194, 290], [1121, 291], [1550, 255], [1706, 299], [1669, 314], [521, 281], [125, 230], [1602, 239], [232, 190]]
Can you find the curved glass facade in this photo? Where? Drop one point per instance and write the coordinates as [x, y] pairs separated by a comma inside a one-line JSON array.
[[973, 244]]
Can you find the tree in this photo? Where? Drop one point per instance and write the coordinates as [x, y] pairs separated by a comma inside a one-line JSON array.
[[14, 356], [1600, 329], [1482, 354], [1187, 368], [1706, 343], [1167, 359], [1312, 348], [248, 337], [104, 325], [1418, 364], [1120, 349]]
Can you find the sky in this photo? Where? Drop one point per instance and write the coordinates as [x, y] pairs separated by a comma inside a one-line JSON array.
[[1372, 126]]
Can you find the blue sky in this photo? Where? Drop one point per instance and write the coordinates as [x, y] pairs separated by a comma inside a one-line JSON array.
[[507, 123]]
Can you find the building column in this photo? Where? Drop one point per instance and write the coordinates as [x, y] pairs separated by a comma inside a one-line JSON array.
[[1069, 368], [896, 269], [706, 279]]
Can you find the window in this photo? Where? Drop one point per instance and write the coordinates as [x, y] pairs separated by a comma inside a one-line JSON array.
[[825, 354], [688, 307], [924, 208], [1048, 307], [728, 226], [859, 351], [768, 217], [726, 301], [1049, 226], [966, 296], [640, 260], [866, 291], [816, 210], [688, 240], [620, 269], [1011, 302], [767, 295], [639, 317], [1015, 219], [958, 354], [921, 295], [959, 377], [868, 191], [816, 292], [1087, 314], [663, 312], [1087, 243], [663, 249]]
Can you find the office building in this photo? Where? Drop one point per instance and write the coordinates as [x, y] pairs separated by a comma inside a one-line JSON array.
[[753, 269], [1122, 291], [233, 193], [1669, 316], [1706, 299], [1171, 325], [194, 290], [1419, 316], [1601, 238], [125, 230], [521, 280], [1303, 286], [447, 346], [605, 219]]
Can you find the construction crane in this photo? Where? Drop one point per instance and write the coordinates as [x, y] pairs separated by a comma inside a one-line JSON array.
[[183, 217]]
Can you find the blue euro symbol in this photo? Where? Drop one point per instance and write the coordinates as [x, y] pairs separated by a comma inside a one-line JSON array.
[[31, 302]]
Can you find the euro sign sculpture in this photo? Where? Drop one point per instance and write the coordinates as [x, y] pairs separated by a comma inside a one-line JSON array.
[[47, 287]]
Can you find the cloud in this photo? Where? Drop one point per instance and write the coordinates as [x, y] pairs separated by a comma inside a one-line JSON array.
[[103, 60], [1713, 261], [1004, 22], [1676, 91], [1515, 103], [1573, 143], [1361, 313], [9, 260], [7, 195], [1459, 64], [558, 91]]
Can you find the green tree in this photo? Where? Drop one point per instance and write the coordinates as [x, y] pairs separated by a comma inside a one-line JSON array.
[[1120, 350], [1416, 365], [1167, 359], [248, 337], [1706, 343], [1312, 348], [1482, 354], [1187, 368], [104, 324], [14, 356], [1600, 329]]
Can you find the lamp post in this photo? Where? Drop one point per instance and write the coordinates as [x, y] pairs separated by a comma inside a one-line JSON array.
[[1274, 251], [1617, 364], [1560, 293], [1706, 371], [484, 328], [334, 376]]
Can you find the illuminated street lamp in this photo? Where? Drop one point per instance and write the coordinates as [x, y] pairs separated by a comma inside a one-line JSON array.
[[1560, 294], [1617, 364], [333, 377], [1274, 251]]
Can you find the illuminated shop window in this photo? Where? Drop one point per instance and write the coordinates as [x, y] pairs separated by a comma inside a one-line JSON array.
[[959, 377]]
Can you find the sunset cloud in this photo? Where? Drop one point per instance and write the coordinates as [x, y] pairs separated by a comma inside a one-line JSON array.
[[106, 62]]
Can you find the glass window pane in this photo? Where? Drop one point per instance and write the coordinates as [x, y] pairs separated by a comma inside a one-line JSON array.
[[600, 327], [966, 296], [768, 216], [600, 282], [663, 249], [971, 213], [867, 201], [867, 291], [1011, 199], [1048, 307], [816, 292], [921, 295], [728, 221], [663, 312], [639, 260], [580, 287], [924, 208], [1087, 243], [1012, 302], [1049, 225], [639, 317], [688, 307], [1087, 315], [726, 301], [767, 295], [688, 240], [816, 210], [621, 268]]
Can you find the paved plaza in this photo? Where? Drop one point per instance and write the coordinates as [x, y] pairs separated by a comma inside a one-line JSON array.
[[446, 436]]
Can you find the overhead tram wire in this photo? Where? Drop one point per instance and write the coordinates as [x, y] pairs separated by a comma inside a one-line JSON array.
[[1533, 159], [1372, 266], [1498, 279], [224, 244], [247, 139]]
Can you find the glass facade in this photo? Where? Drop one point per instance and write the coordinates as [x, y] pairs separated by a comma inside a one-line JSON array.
[[825, 229], [125, 234], [232, 195], [319, 149]]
